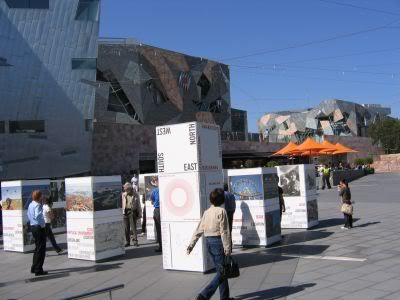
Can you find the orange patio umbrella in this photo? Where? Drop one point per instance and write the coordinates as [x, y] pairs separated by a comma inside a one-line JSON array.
[[289, 147], [308, 146], [330, 148], [343, 149]]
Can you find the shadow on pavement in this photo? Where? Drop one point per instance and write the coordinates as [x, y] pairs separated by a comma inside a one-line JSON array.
[[136, 252], [303, 236], [366, 224], [255, 259], [59, 273], [332, 222], [274, 293], [298, 250]]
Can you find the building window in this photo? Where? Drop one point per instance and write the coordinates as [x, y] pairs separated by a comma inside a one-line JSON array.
[[2, 127], [88, 10], [84, 63], [36, 4], [33, 126]]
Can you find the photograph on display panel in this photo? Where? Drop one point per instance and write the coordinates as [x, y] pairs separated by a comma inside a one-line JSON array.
[[290, 180], [109, 236], [11, 198], [273, 223], [310, 179], [59, 219], [79, 197], [57, 190], [270, 183], [106, 195], [246, 187], [27, 193], [312, 211]]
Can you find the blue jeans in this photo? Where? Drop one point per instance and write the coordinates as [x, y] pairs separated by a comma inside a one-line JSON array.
[[216, 250]]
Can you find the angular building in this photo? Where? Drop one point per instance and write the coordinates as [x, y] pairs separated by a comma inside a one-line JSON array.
[[139, 87], [47, 47], [330, 118]]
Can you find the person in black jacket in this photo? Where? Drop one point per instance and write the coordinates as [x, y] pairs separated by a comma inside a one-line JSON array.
[[344, 192]]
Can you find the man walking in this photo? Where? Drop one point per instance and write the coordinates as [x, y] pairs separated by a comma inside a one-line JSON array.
[[36, 219], [155, 200], [132, 212], [326, 174]]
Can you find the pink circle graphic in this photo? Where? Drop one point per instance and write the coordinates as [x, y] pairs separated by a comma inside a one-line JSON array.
[[179, 191]]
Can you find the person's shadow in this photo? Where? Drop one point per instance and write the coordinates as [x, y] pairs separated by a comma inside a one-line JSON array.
[[274, 293], [248, 230]]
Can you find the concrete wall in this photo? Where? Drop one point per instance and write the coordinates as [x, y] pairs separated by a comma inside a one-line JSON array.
[[387, 163]]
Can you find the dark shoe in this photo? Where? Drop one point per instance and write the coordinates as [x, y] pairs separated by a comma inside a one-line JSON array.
[[136, 244], [158, 250], [59, 251], [41, 273], [32, 271], [200, 297], [127, 245]]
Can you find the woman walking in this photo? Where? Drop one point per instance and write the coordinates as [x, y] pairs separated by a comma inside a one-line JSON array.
[[347, 207], [215, 227], [48, 217]]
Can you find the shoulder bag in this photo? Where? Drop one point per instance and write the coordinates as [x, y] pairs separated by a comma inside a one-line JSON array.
[[231, 268], [347, 209]]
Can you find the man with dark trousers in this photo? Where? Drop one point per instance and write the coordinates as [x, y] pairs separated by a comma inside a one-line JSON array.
[[38, 225], [155, 199]]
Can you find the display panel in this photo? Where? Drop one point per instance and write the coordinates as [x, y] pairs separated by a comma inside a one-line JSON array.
[[289, 180], [106, 195], [312, 211], [79, 196], [11, 198], [270, 185], [246, 187], [273, 223]]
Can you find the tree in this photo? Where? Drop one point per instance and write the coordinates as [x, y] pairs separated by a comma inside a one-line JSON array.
[[386, 132]]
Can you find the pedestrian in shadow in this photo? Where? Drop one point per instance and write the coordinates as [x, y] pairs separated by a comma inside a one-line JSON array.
[[214, 226]]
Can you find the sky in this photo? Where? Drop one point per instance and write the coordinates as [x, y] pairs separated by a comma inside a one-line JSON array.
[[283, 54]]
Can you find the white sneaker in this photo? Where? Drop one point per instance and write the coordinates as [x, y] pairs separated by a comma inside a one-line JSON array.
[[142, 234], [345, 228]]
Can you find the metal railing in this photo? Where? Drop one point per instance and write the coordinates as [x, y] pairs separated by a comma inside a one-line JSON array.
[[108, 290]]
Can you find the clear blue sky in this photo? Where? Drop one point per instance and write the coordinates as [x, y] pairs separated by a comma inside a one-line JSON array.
[[283, 54]]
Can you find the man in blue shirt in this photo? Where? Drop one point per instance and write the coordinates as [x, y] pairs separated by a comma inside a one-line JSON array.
[[230, 205], [36, 219], [155, 199]]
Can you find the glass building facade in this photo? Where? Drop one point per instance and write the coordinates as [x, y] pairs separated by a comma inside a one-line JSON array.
[[48, 49]]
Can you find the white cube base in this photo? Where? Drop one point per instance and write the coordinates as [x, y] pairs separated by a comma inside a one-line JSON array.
[[16, 196], [176, 237], [256, 221], [95, 229]]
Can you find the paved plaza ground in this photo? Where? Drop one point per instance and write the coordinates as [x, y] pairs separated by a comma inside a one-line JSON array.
[[322, 263]]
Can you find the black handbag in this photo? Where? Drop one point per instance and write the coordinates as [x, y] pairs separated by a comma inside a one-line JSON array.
[[231, 268]]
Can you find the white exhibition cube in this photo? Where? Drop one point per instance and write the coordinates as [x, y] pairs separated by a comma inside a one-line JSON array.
[[189, 160], [95, 228], [188, 147], [16, 197], [256, 221], [185, 196], [146, 187], [300, 196]]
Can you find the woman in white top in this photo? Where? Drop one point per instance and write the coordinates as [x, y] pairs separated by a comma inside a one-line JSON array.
[[215, 227], [48, 217]]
